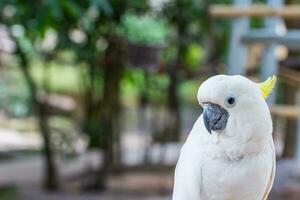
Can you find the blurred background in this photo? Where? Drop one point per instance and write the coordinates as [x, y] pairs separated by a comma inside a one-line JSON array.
[[98, 96]]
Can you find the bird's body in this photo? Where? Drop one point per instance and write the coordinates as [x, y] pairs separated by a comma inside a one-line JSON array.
[[211, 173], [235, 163]]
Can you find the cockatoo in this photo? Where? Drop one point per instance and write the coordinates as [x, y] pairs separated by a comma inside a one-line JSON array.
[[229, 154]]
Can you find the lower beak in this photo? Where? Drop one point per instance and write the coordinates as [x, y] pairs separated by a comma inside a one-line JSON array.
[[215, 117]]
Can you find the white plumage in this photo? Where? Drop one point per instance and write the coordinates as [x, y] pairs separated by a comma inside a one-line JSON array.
[[236, 162]]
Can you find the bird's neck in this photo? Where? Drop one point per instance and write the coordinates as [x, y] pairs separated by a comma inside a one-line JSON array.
[[224, 147], [238, 149]]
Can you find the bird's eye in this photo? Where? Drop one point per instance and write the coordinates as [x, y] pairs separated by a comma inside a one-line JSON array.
[[230, 101]]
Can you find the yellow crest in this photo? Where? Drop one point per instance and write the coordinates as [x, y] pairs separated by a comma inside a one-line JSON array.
[[267, 86]]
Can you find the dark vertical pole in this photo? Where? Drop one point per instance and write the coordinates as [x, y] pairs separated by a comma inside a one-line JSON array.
[[174, 123], [109, 117]]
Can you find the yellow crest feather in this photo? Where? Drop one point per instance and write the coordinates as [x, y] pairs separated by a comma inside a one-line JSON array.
[[267, 86]]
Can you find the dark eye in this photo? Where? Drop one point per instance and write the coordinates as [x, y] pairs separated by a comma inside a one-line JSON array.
[[230, 101]]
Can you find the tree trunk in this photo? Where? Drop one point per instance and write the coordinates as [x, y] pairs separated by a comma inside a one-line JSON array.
[[109, 116], [174, 123], [51, 181], [91, 108], [173, 126]]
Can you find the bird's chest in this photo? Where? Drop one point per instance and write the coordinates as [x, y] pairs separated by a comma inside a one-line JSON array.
[[233, 180]]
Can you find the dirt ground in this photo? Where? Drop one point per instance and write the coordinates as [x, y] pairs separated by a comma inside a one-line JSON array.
[[158, 186]]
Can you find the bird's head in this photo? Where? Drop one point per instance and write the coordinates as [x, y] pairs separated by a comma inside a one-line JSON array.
[[235, 105]]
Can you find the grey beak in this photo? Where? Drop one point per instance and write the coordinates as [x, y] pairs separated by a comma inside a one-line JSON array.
[[215, 117]]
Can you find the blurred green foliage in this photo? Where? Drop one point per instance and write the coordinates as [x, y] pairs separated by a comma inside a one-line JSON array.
[[9, 193], [194, 55], [63, 78], [134, 82], [144, 29]]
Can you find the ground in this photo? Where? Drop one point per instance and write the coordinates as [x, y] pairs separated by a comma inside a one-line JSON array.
[[141, 185]]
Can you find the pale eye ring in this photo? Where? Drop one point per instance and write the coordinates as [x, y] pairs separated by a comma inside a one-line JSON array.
[[230, 101]]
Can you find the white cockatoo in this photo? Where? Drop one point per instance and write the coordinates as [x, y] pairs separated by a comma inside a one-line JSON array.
[[229, 154]]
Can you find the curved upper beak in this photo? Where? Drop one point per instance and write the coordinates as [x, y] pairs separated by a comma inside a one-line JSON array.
[[215, 117]]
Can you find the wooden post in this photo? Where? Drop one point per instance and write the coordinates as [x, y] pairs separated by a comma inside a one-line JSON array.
[[255, 10], [237, 51], [274, 25]]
